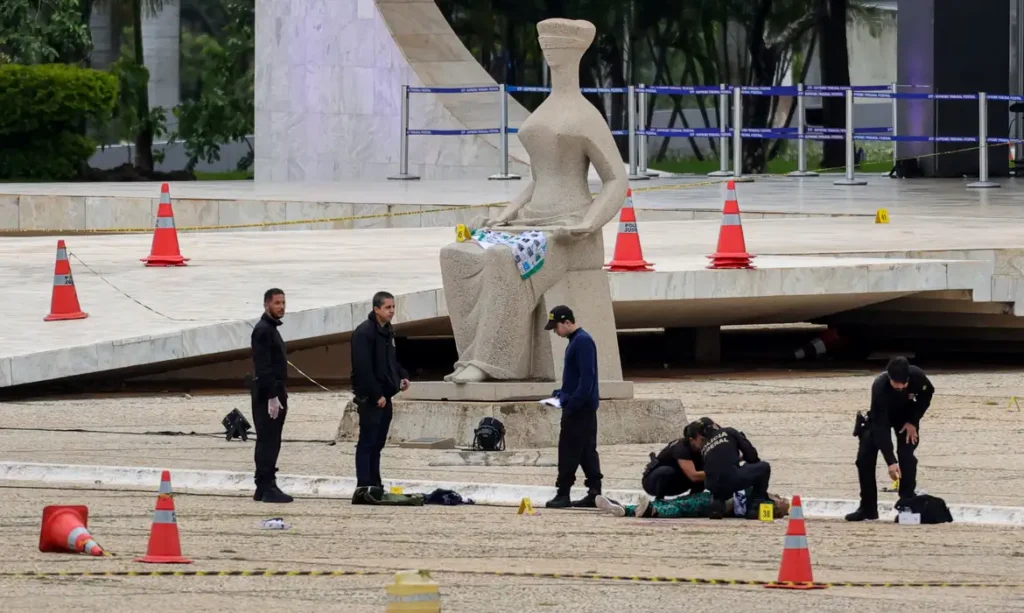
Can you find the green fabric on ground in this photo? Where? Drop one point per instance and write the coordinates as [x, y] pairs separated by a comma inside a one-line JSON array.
[[692, 506]]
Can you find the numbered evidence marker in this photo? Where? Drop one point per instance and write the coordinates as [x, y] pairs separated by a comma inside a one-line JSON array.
[[882, 216], [767, 512], [462, 233], [525, 507], [396, 490]]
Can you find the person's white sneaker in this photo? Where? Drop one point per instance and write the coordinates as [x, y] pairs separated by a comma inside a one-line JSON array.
[[642, 506], [610, 507]]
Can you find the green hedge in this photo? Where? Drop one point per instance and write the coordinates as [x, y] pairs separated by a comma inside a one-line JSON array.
[[44, 110]]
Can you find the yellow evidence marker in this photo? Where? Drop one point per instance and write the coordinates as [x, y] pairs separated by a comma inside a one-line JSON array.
[[767, 512], [1013, 403], [882, 216], [525, 507], [462, 233], [396, 490]]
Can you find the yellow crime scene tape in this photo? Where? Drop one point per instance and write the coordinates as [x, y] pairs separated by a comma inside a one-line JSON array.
[[322, 220], [513, 574]]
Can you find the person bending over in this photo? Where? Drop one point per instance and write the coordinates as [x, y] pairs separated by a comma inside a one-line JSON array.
[[721, 449]]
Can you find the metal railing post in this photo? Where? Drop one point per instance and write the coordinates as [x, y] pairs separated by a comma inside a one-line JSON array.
[[503, 174], [631, 118], [801, 144], [403, 140], [895, 88], [737, 136], [982, 181], [644, 126], [850, 178], [723, 139]]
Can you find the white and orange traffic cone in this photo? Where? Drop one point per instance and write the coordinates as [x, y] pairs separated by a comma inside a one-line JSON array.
[[164, 541], [165, 250], [64, 300], [628, 257], [732, 248], [795, 570]]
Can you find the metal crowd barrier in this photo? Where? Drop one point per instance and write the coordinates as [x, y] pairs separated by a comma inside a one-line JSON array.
[[638, 131]]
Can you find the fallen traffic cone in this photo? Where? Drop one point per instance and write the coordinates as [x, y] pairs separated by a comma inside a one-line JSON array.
[[732, 249], [795, 569], [629, 257], [818, 347], [165, 251], [64, 300], [164, 543], [64, 530]]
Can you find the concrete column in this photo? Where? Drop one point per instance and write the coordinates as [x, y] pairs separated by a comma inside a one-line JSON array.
[[161, 44], [700, 345], [103, 51], [707, 346]]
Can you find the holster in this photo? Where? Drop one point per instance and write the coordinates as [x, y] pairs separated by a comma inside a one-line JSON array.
[[860, 425], [651, 465]]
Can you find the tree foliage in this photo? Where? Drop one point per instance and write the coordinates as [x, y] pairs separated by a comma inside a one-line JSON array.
[[224, 111], [670, 42], [43, 31]]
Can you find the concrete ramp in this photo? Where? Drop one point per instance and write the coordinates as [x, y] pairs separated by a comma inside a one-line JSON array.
[[328, 102]]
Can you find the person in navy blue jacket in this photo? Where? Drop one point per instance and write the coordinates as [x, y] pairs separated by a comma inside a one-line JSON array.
[[578, 397]]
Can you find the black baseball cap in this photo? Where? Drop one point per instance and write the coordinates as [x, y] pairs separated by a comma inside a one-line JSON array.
[[559, 314]]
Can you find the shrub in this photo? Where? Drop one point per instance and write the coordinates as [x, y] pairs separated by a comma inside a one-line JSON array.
[[45, 108]]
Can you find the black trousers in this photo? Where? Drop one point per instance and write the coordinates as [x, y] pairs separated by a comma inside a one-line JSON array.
[[665, 481], [577, 446], [268, 438], [374, 423], [755, 476], [867, 460]]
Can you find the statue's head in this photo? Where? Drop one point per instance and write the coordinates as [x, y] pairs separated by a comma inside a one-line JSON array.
[[564, 40]]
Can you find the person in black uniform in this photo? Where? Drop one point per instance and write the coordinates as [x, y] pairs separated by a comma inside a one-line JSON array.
[[675, 471], [579, 399], [899, 398], [721, 449], [269, 396], [376, 378]]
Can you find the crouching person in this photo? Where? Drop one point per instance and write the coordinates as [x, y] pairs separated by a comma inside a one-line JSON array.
[[721, 449]]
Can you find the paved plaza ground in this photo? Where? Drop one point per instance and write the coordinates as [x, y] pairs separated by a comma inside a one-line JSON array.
[[799, 421]]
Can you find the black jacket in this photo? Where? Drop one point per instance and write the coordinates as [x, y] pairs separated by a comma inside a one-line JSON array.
[[892, 408], [375, 368], [721, 453], [269, 359]]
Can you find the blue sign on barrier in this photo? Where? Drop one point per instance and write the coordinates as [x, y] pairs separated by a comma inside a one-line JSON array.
[[454, 90], [453, 132], [520, 88], [604, 90], [1006, 98]]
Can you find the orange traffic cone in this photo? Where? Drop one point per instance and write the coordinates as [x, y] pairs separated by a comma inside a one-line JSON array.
[[629, 257], [732, 249], [164, 544], [64, 300], [795, 569], [64, 530], [165, 251]]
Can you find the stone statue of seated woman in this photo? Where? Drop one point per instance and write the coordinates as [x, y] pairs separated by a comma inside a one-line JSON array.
[[552, 230]]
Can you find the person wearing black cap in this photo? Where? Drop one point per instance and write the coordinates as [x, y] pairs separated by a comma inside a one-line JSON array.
[[578, 398], [899, 398]]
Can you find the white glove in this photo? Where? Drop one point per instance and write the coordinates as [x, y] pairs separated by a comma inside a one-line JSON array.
[[274, 408]]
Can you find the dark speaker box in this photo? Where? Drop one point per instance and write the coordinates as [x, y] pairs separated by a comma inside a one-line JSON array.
[[955, 47]]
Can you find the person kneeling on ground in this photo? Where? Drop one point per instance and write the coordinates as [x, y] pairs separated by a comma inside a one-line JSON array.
[[694, 506], [721, 449], [676, 470]]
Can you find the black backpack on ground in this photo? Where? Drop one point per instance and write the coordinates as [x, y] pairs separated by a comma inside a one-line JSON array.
[[933, 510], [489, 435]]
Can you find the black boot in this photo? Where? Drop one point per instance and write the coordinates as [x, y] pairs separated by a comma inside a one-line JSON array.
[[258, 496], [862, 514], [560, 501], [273, 494], [717, 509], [589, 501]]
